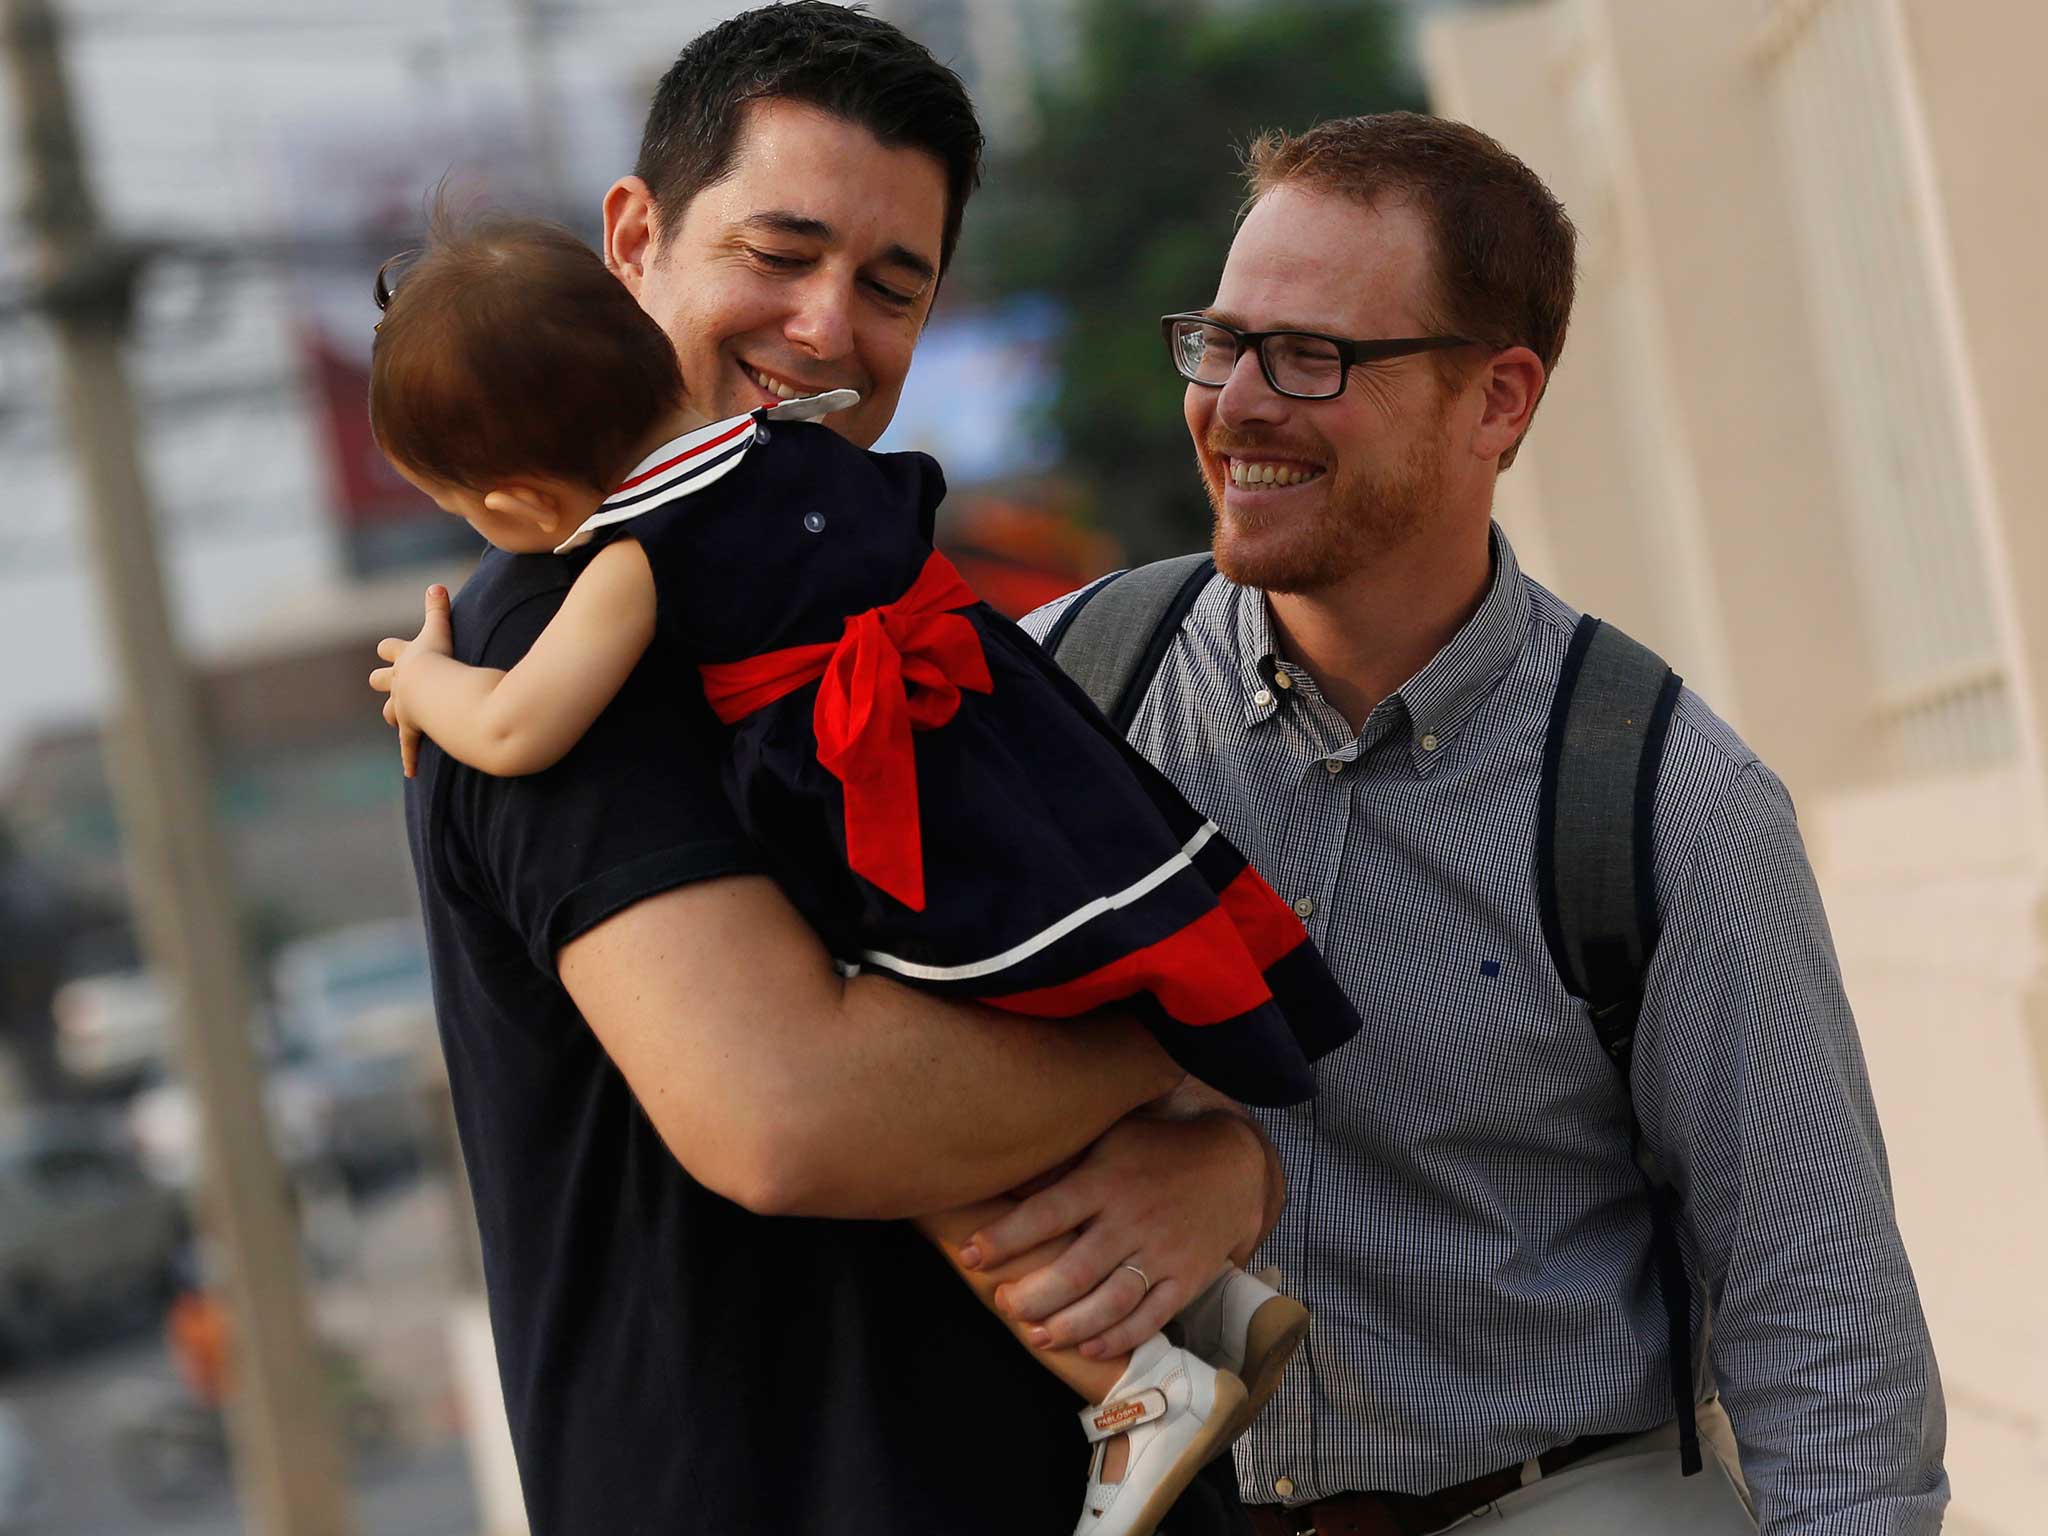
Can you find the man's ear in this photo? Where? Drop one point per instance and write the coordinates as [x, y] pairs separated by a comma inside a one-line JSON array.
[[529, 503], [1513, 381], [629, 231]]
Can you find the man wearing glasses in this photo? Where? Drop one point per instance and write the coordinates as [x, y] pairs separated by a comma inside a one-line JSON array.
[[1360, 699]]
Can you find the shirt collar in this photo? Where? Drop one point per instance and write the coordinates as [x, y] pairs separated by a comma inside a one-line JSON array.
[[1440, 698], [1446, 692], [1266, 680], [685, 465]]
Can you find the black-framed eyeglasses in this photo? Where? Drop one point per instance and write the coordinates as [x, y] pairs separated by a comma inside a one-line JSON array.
[[1305, 365]]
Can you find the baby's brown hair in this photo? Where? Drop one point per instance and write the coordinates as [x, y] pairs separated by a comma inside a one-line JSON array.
[[508, 349]]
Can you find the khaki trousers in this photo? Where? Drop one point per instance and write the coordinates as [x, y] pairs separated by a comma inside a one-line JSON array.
[[1632, 1489]]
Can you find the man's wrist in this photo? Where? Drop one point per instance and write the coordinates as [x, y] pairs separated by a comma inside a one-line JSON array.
[[1264, 1165], [1190, 1099]]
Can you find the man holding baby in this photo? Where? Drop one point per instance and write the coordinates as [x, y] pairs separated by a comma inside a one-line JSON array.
[[687, 1133]]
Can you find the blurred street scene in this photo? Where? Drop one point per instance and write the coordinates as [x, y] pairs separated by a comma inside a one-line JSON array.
[[111, 1440], [250, 165], [1789, 445]]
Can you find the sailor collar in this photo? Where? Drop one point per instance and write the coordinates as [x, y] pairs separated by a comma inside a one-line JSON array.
[[687, 464]]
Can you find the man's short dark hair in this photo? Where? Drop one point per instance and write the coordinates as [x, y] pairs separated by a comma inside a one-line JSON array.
[[1505, 267], [835, 58], [508, 349]]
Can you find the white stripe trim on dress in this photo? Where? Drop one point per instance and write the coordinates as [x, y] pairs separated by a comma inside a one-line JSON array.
[[688, 479], [1046, 937]]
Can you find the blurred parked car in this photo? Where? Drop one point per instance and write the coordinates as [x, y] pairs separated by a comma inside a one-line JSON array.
[[84, 1236], [163, 1121], [18, 1488], [352, 1020], [360, 992], [113, 1029]]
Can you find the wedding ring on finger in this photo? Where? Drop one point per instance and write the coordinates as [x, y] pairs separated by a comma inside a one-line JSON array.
[[1144, 1278]]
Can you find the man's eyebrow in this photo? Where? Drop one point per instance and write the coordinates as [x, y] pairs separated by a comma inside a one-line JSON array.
[[785, 222], [1226, 317], [904, 256]]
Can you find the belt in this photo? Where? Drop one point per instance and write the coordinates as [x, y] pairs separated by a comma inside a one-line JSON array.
[[1416, 1514]]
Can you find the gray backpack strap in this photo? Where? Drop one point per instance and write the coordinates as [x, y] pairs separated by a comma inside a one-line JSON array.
[[1113, 636], [1594, 857], [1597, 887]]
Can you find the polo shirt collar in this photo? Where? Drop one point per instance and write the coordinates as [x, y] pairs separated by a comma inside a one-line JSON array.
[[1439, 699]]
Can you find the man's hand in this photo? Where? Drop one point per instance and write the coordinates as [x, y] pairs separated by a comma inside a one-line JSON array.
[[435, 637], [1178, 1198]]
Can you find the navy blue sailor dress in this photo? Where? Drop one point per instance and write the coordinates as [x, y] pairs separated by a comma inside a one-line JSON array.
[[937, 798]]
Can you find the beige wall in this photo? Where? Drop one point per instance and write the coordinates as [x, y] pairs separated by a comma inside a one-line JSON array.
[[1713, 218], [1976, 69], [1601, 451], [1699, 417], [1676, 455], [1936, 908]]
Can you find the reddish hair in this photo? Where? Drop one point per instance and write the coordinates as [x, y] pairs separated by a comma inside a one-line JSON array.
[[1505, 267]]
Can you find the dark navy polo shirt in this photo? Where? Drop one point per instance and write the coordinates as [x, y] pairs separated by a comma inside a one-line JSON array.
[[673, 1363]]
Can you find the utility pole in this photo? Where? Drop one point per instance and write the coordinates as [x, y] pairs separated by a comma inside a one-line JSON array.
[[287, 1459]]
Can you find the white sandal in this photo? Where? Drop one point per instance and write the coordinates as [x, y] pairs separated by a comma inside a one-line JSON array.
[[1178, 1411], [1243, 1326]]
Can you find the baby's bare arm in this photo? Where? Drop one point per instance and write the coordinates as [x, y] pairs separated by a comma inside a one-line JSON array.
[[527, 719]]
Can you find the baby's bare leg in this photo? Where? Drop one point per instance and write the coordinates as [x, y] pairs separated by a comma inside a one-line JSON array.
[[950, 1230], [1092, 1379]]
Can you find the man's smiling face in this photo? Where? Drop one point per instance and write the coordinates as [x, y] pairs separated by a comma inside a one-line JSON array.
[[1305, 492], [811, 266]]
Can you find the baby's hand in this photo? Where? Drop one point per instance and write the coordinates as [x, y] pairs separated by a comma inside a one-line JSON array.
[[437, 637]]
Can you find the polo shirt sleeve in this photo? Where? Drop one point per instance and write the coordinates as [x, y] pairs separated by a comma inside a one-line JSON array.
[[633, 810]]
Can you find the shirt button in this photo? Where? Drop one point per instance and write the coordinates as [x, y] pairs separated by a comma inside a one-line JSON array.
[[1333, 767], [1305, 907], [1284, 1486], [1429, 743], [1282, 681], [1263, 697]]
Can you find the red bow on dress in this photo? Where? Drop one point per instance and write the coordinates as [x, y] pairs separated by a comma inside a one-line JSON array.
[[897, 668]]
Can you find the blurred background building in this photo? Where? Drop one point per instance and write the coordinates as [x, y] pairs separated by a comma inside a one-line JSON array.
[[1787, 446], [1791, 446]]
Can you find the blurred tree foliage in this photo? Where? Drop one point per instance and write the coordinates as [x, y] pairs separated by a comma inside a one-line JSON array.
[[1123, 208]]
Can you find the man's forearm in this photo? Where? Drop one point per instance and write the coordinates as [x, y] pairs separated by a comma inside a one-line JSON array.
[[950, 1103], [1193, 1098], [795, 1092], [1276, 1197], [1756, 1097]]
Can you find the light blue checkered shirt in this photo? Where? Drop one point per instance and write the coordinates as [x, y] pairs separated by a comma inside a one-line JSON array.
[[1464, 1218]]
